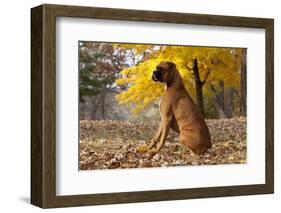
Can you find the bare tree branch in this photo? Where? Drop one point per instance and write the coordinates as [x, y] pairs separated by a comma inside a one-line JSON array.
[[206, 77]]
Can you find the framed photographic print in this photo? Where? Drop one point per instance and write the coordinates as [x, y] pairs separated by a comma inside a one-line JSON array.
[[136, 106]]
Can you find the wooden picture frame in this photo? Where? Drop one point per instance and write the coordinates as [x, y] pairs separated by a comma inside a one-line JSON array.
[[43, 105]]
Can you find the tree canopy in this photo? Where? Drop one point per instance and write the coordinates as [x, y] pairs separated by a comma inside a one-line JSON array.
[[214, 66]]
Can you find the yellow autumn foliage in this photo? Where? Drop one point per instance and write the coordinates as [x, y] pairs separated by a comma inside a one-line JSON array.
[[221, 63]]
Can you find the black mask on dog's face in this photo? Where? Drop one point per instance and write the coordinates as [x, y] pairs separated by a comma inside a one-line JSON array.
[[163, 72], [157, 75]]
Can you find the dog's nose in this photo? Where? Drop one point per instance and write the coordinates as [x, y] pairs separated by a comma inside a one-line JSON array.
[[154, 74]]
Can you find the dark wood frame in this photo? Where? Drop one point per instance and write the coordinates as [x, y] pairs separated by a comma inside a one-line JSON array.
[[43, 105]]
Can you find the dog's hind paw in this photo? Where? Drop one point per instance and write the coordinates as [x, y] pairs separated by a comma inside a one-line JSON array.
[[143, 148]]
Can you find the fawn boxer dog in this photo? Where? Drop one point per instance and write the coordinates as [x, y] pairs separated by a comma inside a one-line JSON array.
[[178, 112]]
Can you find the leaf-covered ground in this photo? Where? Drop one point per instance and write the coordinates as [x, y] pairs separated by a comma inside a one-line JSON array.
[[110, 144]]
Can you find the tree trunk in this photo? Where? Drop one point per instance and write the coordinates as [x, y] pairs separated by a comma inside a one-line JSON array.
[[103, 105], [82, 110], [199, 97], [229, 94], [220, 110], [219, 99], [243, 84], [93, 108], [198, 87]]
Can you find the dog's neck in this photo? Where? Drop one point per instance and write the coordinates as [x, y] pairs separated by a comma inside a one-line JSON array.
[[175, 82]]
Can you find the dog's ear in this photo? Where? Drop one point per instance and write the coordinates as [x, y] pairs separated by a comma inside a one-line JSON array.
[[171, 65]]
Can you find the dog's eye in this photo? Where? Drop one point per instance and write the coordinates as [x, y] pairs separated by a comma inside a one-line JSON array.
[[159, 68]]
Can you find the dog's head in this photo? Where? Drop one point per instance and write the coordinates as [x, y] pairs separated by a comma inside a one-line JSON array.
[[164, 72]]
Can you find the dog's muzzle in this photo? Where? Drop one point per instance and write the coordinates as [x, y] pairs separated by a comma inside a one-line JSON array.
[[157, 76]]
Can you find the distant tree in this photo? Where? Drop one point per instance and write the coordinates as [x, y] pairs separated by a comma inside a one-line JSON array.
[[243, 83], [99, 67]]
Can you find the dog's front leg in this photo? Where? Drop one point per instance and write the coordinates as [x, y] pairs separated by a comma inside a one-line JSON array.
[[166, 123], [156, 137]]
